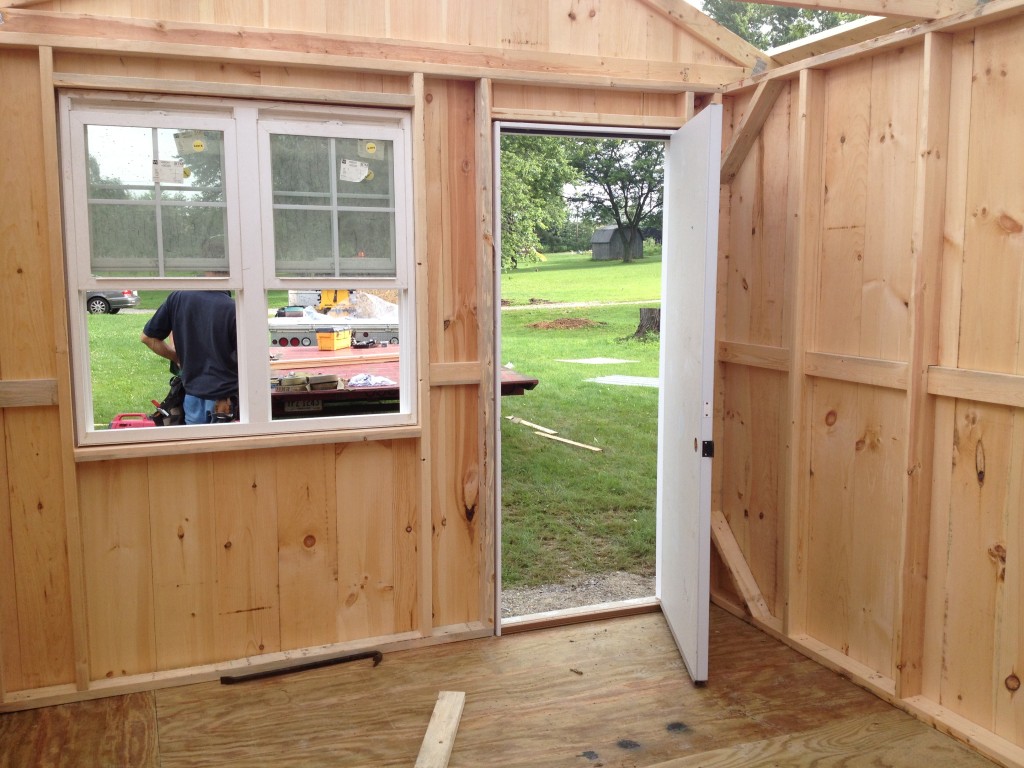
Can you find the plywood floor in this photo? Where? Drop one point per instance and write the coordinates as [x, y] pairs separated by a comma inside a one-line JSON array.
[[611, 694]]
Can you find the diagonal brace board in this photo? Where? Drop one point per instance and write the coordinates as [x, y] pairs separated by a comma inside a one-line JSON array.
[[440, 736], [734, 560], [758, 110]]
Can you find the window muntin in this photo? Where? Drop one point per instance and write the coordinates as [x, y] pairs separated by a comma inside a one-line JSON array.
[[333, 195], [186, 231], [156, 200]]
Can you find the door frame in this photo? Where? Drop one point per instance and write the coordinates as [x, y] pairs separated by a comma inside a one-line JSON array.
[[500, 127]]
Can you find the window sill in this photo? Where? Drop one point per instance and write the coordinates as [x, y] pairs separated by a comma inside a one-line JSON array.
[[243, 443]]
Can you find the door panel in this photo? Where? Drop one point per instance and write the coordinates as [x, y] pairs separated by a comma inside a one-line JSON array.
[[689, 263]]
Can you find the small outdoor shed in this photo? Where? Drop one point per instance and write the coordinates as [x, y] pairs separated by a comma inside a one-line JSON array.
[[869, 460], [608, 243]]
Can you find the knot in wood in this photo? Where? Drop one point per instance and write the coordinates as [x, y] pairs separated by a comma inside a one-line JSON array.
[[310, 541], [1012, 683]]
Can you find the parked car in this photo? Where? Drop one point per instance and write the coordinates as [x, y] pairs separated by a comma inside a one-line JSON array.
[[110, 302]]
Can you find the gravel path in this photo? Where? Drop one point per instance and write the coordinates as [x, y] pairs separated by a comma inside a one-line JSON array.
[[590, 589]]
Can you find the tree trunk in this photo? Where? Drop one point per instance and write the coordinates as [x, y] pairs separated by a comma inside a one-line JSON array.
[[650, 322]]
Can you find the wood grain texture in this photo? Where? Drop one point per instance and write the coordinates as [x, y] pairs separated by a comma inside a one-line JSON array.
[[383, 56], [612, 692], [378, 531], [118, 576], [439, 740], [854, 519], [307, 545], [117, 731], [36, 528]]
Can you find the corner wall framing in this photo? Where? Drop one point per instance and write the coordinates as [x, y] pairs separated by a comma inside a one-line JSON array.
[[874, 288]]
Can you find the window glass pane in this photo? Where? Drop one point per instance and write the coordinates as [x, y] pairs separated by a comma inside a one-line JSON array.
[[126, 376], [156, 201], [123, 238], [303, 242], [367, 242], [353, 179], [334, 353], [365, 172], [301, 169], [193, 239]]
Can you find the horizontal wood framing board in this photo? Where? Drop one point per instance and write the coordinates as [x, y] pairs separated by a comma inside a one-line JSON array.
[[70, 32], [860, 370], [959, 383], [987, 13], [450, 374], [230, 90], [586, 118], [980, 386], [28, 392], [255, 442], [754, 355]]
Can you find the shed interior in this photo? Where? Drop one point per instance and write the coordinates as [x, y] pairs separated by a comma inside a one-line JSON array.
[[869, 472]]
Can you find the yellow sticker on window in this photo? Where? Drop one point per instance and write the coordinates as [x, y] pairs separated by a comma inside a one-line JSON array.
[[198, 145]]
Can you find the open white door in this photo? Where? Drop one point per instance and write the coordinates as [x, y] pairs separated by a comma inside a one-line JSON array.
[[692, 169]]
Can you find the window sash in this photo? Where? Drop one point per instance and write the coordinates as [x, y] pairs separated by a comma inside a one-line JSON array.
[[246, 185]]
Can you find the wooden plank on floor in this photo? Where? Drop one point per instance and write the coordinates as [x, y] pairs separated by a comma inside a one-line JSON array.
[[440, 736]]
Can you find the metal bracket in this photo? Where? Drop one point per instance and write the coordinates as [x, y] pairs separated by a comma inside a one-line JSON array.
[[707, 449]]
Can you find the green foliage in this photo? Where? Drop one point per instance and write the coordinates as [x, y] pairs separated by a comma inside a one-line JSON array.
[[622, 182], [534, 172], [769, 26], [574, 234]]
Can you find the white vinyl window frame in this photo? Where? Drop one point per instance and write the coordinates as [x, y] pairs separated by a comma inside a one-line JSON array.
[[250, 250]]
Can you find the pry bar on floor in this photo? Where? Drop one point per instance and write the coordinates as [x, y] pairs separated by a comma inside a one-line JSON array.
[[377, 657]]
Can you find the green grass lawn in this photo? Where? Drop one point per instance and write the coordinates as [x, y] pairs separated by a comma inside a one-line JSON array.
[[565, 277], [566, 510], [125, 374]]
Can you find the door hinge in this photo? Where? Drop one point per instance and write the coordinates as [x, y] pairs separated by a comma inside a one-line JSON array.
[[708, 449]]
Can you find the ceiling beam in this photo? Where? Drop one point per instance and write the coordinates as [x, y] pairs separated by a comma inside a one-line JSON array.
[[865, 28], [711, 33], [910, 9], [989, 12]]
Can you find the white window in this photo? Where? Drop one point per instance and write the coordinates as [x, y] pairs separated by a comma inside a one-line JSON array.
[[302, 213]]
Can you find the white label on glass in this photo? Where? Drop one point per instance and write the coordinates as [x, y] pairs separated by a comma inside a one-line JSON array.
[[169, 172], [353, 170]]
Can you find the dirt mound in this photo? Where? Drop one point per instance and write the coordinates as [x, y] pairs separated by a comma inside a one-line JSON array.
[[564, 324]]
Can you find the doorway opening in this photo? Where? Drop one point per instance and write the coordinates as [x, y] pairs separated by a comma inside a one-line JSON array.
[[580, 293]]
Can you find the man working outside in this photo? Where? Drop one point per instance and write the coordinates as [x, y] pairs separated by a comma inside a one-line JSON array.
[[204, 346]]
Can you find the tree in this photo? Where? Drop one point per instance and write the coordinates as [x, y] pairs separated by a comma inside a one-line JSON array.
[[621, 181], [534, 173], [769, 26]]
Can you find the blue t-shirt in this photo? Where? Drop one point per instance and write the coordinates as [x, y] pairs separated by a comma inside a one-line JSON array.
[[203, 324]]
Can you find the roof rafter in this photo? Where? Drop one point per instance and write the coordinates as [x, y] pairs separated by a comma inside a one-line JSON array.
[[711, 33], [911, 9]]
